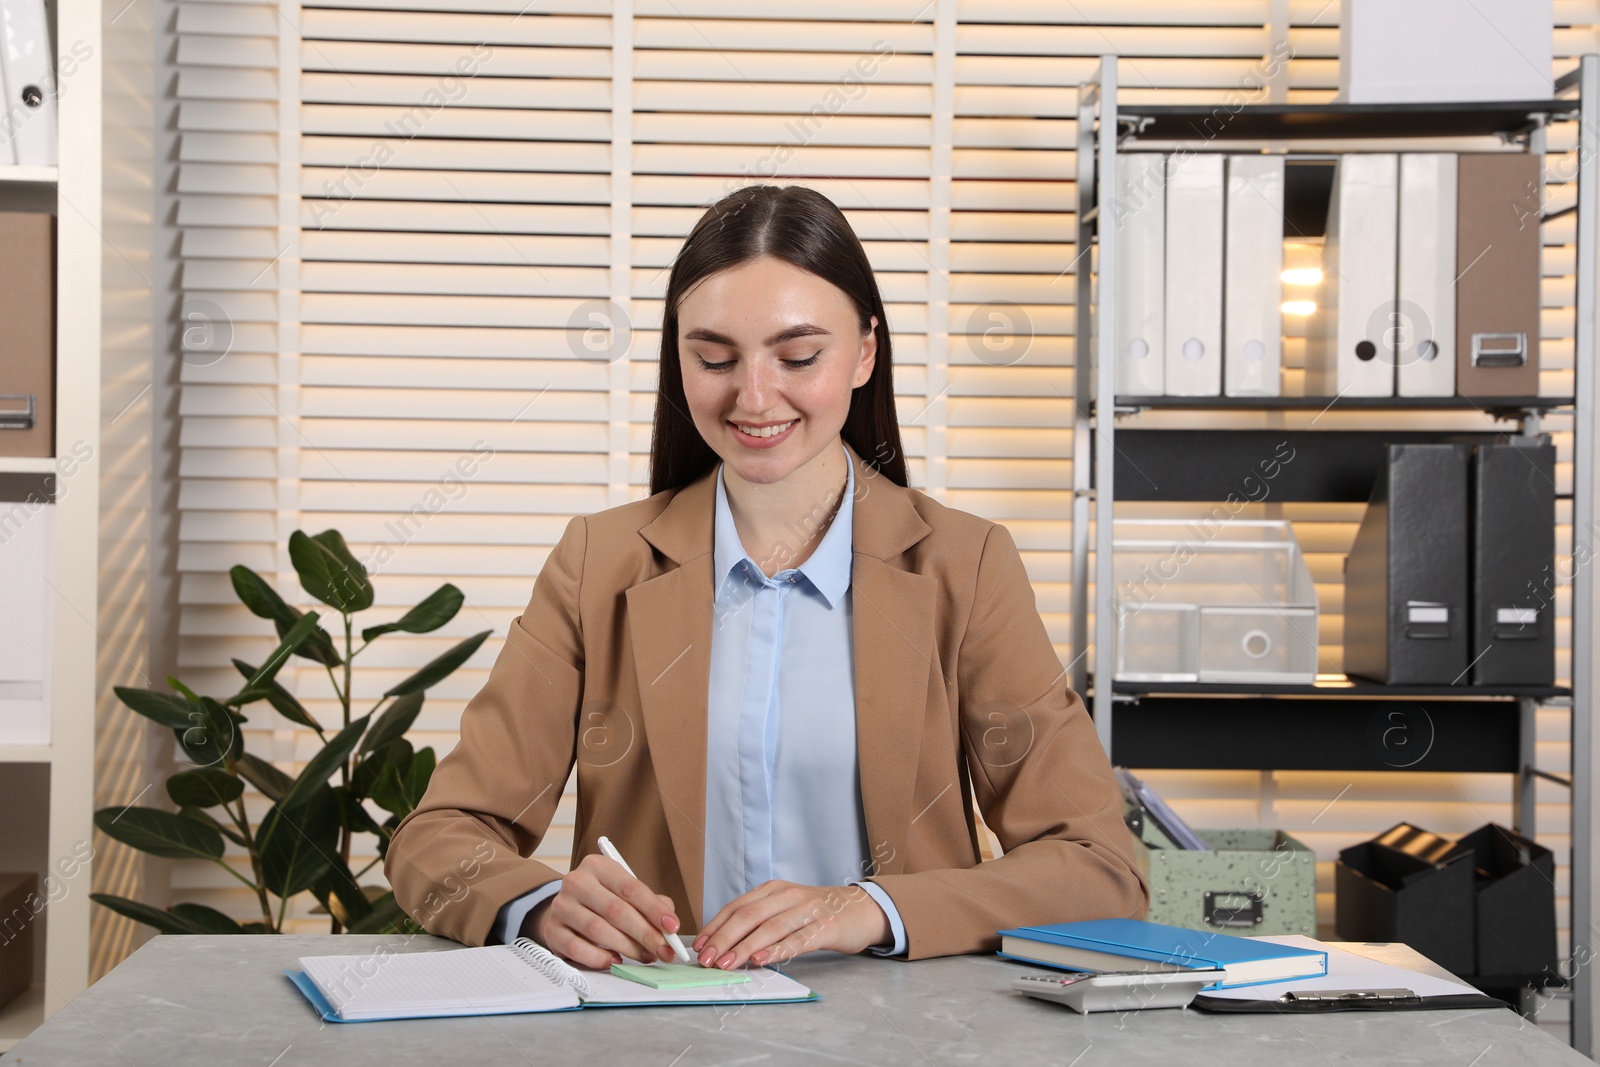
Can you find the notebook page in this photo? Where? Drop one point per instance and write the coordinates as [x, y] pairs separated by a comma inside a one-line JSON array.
[[764, 984], [469, 980]]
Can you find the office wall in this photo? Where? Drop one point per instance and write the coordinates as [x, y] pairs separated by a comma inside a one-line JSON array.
[[394, 231]]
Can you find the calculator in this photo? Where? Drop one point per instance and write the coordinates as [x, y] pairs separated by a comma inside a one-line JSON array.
[[1088, 991]]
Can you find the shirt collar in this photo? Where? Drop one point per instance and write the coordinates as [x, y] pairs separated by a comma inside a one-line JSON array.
[[827, 569]]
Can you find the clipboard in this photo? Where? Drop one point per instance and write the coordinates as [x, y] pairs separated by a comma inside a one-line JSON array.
[[1361, 1000], [1353, 983]]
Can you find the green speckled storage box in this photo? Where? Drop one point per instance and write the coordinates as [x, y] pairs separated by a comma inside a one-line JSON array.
[[1253, 882]]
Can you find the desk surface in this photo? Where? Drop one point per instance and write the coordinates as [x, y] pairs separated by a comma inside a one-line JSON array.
[[199, 1000]]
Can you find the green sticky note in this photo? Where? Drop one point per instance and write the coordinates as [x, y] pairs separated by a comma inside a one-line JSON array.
[[676, 975]]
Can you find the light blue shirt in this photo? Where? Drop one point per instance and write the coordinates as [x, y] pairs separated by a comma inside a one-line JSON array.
[[783, 789]]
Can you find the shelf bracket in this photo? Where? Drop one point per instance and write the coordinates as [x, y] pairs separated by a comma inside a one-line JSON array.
[[1131, 126], [1521, 134]]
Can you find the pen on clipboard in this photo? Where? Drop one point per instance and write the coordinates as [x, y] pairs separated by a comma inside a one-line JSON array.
[[672, 939]]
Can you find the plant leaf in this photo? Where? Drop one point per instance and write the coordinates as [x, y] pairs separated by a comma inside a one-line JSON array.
[[440, 667], [281, 699], [389, 791], [323, 764], [352, 816], [209, 920], [417, 778], [297, 848], [263, 600], [222, 731], [166, 922], [384, 917], [397, 752], [204, 787], [438, 608], [329, 572], [344, 899], [198, 747], [160, 833], [181, 688], [272, 782], [280, 655], [394, 722], [355, 572], [169, 711], [205, 818], [399, 792], [257, 594], [319, 646]]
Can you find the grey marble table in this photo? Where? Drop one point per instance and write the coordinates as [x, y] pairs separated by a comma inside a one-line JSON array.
[[205, 1001]]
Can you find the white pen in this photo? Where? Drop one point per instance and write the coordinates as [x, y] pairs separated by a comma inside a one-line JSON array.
[[672, 939]]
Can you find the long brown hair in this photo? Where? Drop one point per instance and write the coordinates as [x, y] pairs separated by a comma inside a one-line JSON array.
[[805, 228]]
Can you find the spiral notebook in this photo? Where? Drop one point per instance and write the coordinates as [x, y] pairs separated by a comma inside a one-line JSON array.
[[499, 980]]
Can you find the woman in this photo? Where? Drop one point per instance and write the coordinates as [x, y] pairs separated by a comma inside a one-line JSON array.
[[784, 677]]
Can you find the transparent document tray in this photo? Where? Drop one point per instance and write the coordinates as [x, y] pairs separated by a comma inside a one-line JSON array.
[[1204, 601]]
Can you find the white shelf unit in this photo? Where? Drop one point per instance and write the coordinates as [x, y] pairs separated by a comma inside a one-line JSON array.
[[1103, 132], [58, 778], [22, 173], [26, 465]]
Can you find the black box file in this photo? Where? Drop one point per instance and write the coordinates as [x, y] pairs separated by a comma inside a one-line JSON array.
[[1513, 549], [1406, 577]]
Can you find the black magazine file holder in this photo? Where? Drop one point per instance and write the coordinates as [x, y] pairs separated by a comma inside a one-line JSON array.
[[1514, 902], [1407, 886]]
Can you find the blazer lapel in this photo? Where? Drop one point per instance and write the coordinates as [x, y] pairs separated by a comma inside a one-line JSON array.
[[670, 619], [893, 640]]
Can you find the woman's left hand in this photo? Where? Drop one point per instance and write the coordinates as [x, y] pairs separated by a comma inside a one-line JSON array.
[[777, 921]]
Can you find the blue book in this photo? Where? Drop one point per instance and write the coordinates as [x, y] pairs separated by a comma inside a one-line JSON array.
[[1135, 945]]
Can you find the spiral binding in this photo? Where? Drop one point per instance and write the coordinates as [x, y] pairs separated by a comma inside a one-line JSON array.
[[551, 966]]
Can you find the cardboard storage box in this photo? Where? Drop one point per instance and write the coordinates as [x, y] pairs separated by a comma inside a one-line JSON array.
[[1251, 882], [28, 347]]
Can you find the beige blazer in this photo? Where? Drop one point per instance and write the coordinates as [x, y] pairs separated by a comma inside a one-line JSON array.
[[959, 697]]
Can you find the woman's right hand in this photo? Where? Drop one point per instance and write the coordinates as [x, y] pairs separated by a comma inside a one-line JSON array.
[[602, 913]]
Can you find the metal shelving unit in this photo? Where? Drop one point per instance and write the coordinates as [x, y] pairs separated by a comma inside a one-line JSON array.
[[1324, 726]]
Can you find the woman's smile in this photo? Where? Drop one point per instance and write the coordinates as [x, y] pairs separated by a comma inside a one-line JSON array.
[[768, 436]]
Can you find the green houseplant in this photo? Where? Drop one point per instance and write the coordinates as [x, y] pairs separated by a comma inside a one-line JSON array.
[[302, 843]]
